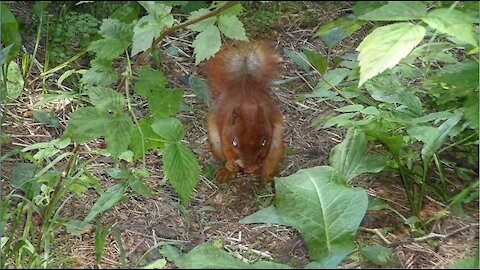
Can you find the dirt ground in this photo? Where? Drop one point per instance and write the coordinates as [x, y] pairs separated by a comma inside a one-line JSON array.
[[215, 208]]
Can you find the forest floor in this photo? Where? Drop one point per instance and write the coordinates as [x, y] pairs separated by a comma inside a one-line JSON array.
[[215, 209]]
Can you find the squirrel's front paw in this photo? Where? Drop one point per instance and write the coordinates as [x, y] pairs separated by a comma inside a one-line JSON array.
[[223, 174]]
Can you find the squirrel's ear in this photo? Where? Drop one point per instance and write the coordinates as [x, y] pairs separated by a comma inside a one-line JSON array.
[[235, 115]]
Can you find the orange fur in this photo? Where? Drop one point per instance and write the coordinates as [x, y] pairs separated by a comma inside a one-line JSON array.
[[245, 126]]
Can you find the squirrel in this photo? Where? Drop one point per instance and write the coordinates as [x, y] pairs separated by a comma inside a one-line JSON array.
[[245, 126]]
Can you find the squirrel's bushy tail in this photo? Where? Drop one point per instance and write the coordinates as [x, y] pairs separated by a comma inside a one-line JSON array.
[[242, 67]]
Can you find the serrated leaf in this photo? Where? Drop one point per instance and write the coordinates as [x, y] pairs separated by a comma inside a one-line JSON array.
[[350, 158], [317, 60], [150, 140], [144, 32], [232, 27], [379, 255], [200, 88], [149, 80], [334, 32], [105, 98], [233, 10], [452, 22], [386, 46], [325, 213], [117, 37], [10, 34], [206, 44], [160, 11], [203, 24], [397, 11], [106, 201], [170, 129], [138, 186], [181, 169], [46, 117], [15, 81], [100, 73], [165, 102], [118, 136], [267, 215], [107, 48]]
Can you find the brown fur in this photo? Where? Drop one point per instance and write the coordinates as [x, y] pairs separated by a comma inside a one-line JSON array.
[[245, 127]]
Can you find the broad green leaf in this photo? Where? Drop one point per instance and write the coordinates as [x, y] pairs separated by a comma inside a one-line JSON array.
[[106, 201], [46, 117], [14, 81], [118, 133], [138, 186], [379, 255], [350, 108], [203, 24], [267, 215], [181, 168], [300, 59], [22, 177], [326, 213], [370, 111], [397, 11], [77, 227], [200, 89], [471, 110], [100, 73], [334, 32], [150, 140], [105, 98], [330, 79], [107, 48], [191, 6], [206, 44], [338, 120], [411, 101], [436, 116], [208, 256], [317, 60], [330, 262], [156, 264], [165, 102], [350, 158], [233, 11], [453, 22], [10, 35], [375, 204], [126, 13], [430, 52], [393, 142], [144, 32], [362, 7], [149, 80], [232, 27], [386, 46]]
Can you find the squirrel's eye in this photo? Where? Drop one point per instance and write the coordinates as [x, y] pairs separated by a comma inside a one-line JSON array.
[[264, 142], [234, 142]]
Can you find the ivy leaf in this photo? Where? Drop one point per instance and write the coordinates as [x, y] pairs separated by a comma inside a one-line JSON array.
[[181, 169], [386, 46], [100, 73], [171, 129], [350, 157], [150, 140], [452, 22], [165, 102], [232, 27], [149, 80], [106, 201], [397, 11], [105, 98], [206, 44], [203, 24], [145, 30]]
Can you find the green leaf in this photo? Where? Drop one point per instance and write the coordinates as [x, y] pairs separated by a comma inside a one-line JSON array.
[[370, 110], [156, 264], [138, 186], [334, 32], [267, 215], [362, 7], [317, 60], [105, 98], [206, 44], [471, 110], [300, 59], [397, 11], [200, 88], [77, 227], [203, 24], [350, 108], [339, 120], [107, 200], [118, 136], [325, 213], [386, 46], [126, 13], [331, 79], [165, 102], [150, 140], [181, 169], [470, 262], [232, 27], [10, 36], [117, 37], [233, 11], [452, 22], [379, 255], [144, 32], [100, 73], [149, 80], [107, 48], [14, 81], [46, 117], [350, 158], [22, 178]]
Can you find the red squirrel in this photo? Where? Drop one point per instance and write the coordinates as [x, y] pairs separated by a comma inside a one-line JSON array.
[[245, 126]]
